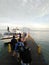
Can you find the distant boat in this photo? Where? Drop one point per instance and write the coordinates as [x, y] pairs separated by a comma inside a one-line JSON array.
[[7, 36]]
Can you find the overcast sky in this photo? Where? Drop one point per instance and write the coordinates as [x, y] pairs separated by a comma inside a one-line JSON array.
[[29, 13]]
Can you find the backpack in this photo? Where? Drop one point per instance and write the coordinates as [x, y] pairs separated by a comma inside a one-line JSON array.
[[19, 47], [26, 55]]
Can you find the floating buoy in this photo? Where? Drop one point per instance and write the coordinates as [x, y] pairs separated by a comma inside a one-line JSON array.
[[9, 48]]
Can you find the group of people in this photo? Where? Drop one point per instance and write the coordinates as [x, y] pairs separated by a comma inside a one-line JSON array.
[[21, 50]]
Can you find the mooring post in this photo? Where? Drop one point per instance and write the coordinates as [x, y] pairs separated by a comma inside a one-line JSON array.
[[39, 49], [9, 47]]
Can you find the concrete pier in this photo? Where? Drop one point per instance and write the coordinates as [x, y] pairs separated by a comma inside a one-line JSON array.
[[37, 59]]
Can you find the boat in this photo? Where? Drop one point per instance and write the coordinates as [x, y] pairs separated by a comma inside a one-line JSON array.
[[7, 36]]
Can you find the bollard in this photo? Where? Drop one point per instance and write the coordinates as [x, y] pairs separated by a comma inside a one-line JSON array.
[[39, 49], [17, 40], [9, 48]]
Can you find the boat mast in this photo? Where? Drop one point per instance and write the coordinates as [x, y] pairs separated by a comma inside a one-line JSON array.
[[8, 29]]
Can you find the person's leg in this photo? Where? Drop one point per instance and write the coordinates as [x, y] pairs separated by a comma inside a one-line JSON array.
[[22, 63], [28, 63], [14, 53], [18, 56]]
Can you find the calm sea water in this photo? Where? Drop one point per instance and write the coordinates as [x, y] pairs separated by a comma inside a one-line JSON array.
[[42, 38]]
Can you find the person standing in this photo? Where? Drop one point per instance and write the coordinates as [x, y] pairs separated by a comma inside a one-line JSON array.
[[18, 49], [13, 42], [26, 55]]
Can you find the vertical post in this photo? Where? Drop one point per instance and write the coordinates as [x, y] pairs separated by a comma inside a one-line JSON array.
[[9, 48], [39, 49]]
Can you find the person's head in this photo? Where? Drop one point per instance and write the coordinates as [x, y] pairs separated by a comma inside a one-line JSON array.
[[19, 40], [13, 36]]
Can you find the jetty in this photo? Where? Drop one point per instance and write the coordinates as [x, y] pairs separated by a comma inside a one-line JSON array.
[[37, 57]]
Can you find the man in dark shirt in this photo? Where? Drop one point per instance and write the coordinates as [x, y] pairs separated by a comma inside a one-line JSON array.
[[13, 42]]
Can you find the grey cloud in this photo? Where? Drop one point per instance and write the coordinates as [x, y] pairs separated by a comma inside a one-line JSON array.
[[23, 8]]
